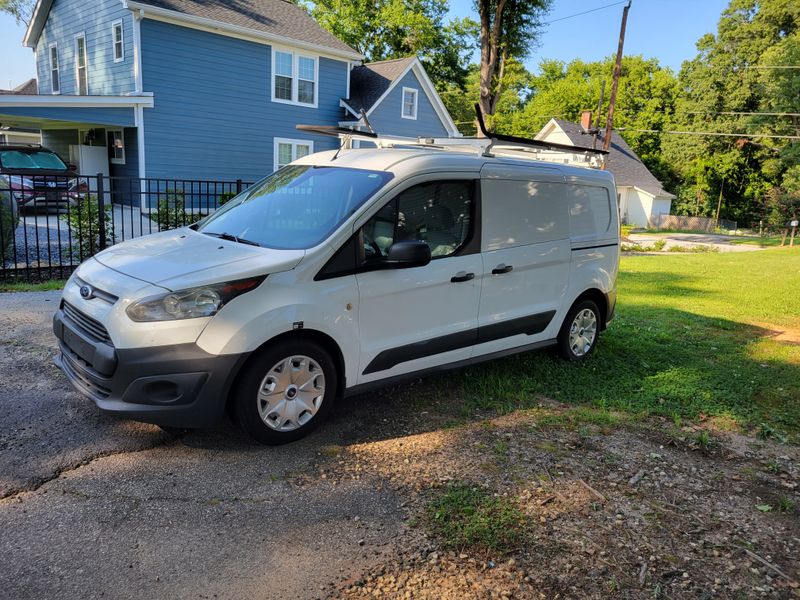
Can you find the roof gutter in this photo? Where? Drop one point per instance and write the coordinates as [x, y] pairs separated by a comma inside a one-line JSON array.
[[186, 20], [48, 101]]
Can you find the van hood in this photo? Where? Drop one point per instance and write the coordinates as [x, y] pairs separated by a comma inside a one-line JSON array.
[[184, 258]]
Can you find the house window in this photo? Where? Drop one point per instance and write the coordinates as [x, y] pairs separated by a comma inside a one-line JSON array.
[[81, 62], [116, 146], [288, 150], [55, 77], [409, 103], [294, 78], [119, 41]]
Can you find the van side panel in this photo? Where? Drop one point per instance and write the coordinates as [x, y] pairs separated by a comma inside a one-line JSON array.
[[526, 257]]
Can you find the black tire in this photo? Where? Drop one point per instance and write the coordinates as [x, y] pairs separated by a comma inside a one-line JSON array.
[[565, 349], [246, 403]]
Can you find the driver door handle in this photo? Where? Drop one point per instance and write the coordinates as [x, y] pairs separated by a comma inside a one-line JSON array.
[[462, 276], [502, 268]]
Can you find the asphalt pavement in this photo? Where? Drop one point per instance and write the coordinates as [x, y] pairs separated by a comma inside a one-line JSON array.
[[95, 507]]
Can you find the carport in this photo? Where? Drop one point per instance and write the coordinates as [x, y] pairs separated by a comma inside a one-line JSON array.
[[99, 134]]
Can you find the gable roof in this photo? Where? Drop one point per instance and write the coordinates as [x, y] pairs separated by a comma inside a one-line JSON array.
[[621, 161], [277, 20], [370, 83], [29, 88]]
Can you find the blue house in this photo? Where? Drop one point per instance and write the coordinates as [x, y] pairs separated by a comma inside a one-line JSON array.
[[199, 90]]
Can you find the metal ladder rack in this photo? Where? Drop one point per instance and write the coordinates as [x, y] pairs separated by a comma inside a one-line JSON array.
[[492, 144]]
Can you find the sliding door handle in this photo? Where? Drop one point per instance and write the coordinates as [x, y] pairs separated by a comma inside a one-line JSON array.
[[502, 268], [462, 276]]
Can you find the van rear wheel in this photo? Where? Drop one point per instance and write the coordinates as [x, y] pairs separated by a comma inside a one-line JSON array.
[[578, 335], [285, 392]]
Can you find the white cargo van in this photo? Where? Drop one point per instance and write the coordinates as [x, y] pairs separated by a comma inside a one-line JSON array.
[[341, 272]]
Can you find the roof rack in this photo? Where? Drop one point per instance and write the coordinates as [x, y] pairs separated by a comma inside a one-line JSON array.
[[491, 144]]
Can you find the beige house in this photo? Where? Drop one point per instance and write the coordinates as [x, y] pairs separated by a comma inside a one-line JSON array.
[[640, 195]]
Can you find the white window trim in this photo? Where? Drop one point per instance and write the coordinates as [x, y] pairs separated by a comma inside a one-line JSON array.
[[86, 56], [114, 25], [403, 103], [50, 63], [296, 76], [117, 161], [294, 143]]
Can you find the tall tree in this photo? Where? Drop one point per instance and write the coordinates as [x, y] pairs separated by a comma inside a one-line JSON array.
[[21, 10], [726, 80], [508, 28], [385, 29]]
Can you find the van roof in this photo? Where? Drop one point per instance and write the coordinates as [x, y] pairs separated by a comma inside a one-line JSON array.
[[400, 159]]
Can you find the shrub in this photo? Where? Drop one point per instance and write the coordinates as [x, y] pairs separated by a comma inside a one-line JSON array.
[[83, 219], [658, 246], [172, 213], [225, 197], [8, 223], [625, 231]]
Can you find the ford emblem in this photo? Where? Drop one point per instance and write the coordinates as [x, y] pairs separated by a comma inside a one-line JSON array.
[[86, 292]]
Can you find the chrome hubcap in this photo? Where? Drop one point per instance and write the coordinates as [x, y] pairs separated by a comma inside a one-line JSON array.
[[291, 393], [583, 332]]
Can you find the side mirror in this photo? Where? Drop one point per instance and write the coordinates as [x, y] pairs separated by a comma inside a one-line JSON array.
[[73, 168], [409, 253]]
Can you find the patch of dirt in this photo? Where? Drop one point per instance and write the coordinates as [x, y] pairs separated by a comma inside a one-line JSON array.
[[787, 335], [627, 512]]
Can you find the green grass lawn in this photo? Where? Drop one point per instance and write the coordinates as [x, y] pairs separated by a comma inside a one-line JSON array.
[[55, 284], [764, 242], [689, 339]]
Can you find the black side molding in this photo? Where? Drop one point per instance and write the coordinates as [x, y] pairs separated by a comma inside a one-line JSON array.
[[528, 325], [597, 246]]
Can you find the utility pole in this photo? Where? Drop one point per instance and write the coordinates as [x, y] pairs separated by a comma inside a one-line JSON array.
[[615, 82], [597, 117]]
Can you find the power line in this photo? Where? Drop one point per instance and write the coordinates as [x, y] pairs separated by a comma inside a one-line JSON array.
[[586, 12], [733, 112], [714, 134]]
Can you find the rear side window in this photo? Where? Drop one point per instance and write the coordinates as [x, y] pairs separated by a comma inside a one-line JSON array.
[[519, 212], [589, 210]]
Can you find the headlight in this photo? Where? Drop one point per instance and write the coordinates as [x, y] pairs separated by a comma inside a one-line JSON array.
[[204, 301]]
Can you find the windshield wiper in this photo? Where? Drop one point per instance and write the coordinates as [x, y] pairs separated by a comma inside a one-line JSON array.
[[232, 238]]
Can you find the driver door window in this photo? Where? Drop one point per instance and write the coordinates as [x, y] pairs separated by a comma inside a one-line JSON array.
[[439, 213]]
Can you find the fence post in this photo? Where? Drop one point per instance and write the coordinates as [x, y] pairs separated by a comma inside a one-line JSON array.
[[238, 186], [101, 212]]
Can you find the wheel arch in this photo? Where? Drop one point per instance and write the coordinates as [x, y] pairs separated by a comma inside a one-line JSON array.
[[600, 299], [313, 335]]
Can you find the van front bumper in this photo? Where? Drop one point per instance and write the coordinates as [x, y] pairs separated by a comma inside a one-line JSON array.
[[178, 385]]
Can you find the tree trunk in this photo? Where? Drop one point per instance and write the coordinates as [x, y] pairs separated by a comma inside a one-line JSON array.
[[491, 66]]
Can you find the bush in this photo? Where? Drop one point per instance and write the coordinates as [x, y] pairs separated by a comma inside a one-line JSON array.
[[172, 213], [625, 231], [83, 219], [225, 197], [659, 244], [9, 218]]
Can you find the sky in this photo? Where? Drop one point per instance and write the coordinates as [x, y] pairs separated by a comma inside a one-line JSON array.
[[664, 29]]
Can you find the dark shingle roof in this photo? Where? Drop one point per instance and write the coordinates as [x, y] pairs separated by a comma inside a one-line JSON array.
[[29, 88], [624, 164], [275, 17], [369, 82]]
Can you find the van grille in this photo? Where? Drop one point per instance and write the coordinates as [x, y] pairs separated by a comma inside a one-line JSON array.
[[87, 324], [79, 371]]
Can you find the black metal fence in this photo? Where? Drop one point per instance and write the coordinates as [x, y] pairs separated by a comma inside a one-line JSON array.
[[50, 224]]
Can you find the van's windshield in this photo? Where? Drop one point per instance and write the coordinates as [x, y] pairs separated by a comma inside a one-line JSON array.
[[296, 207]]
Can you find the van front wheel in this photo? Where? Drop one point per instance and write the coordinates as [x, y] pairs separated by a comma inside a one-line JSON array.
[[578, 335], [285, 392]]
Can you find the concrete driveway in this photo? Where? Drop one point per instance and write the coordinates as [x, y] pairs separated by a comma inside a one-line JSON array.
[[721, 242], [95, 507]]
